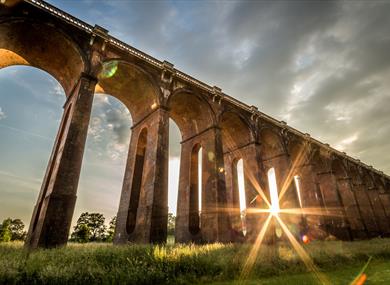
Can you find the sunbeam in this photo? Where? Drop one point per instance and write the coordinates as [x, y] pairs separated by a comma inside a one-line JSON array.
[[255, 249], [303, 254]]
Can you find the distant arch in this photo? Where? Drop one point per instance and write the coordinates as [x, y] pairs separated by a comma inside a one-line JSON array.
[[137, 180]]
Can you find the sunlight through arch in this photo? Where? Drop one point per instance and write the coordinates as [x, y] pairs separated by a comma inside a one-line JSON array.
[[105, 157], [273, 188], [31, 104]]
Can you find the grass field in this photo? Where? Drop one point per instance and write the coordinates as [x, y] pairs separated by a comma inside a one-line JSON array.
[[219, 264]]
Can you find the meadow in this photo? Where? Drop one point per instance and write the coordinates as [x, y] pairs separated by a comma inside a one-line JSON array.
[[218, 264]]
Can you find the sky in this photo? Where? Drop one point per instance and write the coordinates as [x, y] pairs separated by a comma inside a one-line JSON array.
[[323, 67]]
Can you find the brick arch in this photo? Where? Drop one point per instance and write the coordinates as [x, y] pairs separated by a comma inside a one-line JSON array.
[[373, 194], [271, 142], [379, 183], [236, 130], [339, 168], [32, 43], [354, 173], [131, 85], [299, 151], [368, 179], [191, 112], [387, 185]]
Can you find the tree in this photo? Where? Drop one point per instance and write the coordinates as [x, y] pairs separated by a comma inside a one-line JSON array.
[[17, 230], [5, 231], [111, 230], [12, 230], [171, 224], [83, 234], [89, 227]]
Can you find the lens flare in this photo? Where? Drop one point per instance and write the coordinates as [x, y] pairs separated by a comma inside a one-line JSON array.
[[109, 69], [255, 249], [305, 239]]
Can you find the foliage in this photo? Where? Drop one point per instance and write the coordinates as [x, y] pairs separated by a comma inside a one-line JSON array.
[[111, 230], [5, 231], [191, 264], [171, 224], [17, 230], [89, 227], [12, 230]]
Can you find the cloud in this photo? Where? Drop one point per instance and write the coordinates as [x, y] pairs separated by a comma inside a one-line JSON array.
[[321, 66], [109, 128], [2, 114]]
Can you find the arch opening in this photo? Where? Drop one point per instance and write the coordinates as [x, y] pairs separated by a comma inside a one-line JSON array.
[[195, 197], [104, 160], [173, 178], [273, 189], [30, 116], [137, 180], [239, 197], [297, 183]]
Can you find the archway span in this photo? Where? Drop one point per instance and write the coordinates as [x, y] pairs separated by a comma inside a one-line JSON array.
[[131, 85], [235, 131], [348, 199], [338, 168], [23, 42], [241, 172], [271, 143], [376, 203], [31, 108], [363, 201], [105, 157], [191, 112]]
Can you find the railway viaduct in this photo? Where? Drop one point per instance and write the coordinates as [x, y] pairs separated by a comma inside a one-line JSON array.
[[85, 60]]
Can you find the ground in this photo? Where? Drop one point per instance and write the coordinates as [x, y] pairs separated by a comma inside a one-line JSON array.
[[339, 262]]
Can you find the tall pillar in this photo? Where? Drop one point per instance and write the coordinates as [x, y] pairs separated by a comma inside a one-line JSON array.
[[255, 182], [311, 199], [365, 207], [52, 216], [214, 219], [253, 185], [379, 211], [385, 199], [233, 196], [143, 210], [352, 212], [337, 225]]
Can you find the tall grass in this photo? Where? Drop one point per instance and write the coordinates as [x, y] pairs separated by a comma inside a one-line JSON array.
[[171, 264]]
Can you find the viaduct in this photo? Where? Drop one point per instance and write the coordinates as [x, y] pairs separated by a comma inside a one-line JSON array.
[[85, 59]]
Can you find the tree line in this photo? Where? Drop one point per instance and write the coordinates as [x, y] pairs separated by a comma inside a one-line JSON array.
[[90, 227]]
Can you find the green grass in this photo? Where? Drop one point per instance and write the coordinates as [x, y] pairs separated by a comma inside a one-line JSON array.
[[191, 264]]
